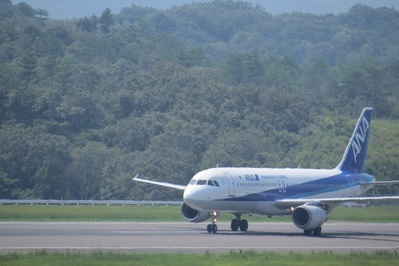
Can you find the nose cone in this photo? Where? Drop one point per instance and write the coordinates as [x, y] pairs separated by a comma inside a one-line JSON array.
[[194, 196], [189, 196]]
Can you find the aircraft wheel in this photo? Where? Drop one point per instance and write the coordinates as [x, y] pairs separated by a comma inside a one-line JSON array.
[[243, 225], [212, 228], [209, 228], [235, 224], [307, 232], [317, 231]]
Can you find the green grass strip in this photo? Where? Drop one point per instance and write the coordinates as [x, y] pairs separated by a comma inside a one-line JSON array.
[[241, 258], [89, 213], [383, 214]]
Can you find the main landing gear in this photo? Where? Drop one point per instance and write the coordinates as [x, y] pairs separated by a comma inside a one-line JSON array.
[[238, 223]]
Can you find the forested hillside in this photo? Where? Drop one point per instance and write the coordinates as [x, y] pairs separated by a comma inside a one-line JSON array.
[[87, 103]]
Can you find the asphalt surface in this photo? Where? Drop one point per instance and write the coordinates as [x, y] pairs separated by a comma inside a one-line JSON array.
[[192, 238]]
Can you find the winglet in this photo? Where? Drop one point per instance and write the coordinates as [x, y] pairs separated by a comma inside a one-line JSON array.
[[356, 151]]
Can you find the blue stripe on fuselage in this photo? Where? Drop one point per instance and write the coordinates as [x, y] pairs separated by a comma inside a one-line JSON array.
[[307, 189]]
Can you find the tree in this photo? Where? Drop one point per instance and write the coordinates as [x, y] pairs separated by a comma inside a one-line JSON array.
[[364, 83], [281, 72], [106, 20], [85, 173], [234, 68], [253, 68], [54, 40], [315, 75], [42, 13], [163, 23], [88, 24], [26, 9], [86, 103], [8, 81], [32, 162], [28, 64]]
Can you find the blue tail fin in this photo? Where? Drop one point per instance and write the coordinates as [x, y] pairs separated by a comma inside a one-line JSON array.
[[356, 151]]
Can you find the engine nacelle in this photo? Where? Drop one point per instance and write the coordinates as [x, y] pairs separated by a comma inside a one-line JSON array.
[[309, 217], [193, 215]]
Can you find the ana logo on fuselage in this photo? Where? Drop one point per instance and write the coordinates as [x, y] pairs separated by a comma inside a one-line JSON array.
[[252, 177], [360, 137]]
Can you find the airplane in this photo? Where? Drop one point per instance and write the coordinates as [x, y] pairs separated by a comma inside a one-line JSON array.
[[308, 195]]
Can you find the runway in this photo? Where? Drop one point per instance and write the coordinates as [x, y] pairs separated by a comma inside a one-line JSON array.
[[192, 238]]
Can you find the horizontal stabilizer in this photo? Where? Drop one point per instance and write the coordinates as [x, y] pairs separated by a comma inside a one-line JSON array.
[[385, 183]]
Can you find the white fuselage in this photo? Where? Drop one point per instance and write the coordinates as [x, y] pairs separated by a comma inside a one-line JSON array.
[[256, 190]]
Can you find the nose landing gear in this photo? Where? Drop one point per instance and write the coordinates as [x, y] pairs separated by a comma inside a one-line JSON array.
[[213, 228]]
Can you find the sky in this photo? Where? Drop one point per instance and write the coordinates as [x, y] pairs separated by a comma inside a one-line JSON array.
[[67, 9]]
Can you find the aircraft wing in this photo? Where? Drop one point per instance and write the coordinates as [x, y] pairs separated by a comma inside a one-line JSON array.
[[164, 184], [331, 202]]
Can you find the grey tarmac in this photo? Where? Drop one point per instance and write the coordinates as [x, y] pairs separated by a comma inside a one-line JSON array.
[[182, 237]]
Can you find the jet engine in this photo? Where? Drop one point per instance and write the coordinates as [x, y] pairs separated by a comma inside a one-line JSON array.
[[309, 217], [193, 215]]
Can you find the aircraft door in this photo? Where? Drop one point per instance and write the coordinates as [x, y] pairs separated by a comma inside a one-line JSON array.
[[231, 184]]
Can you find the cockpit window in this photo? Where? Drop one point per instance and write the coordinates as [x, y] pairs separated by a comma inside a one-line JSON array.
[[201, 183], [204, 182], [213, 183]]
